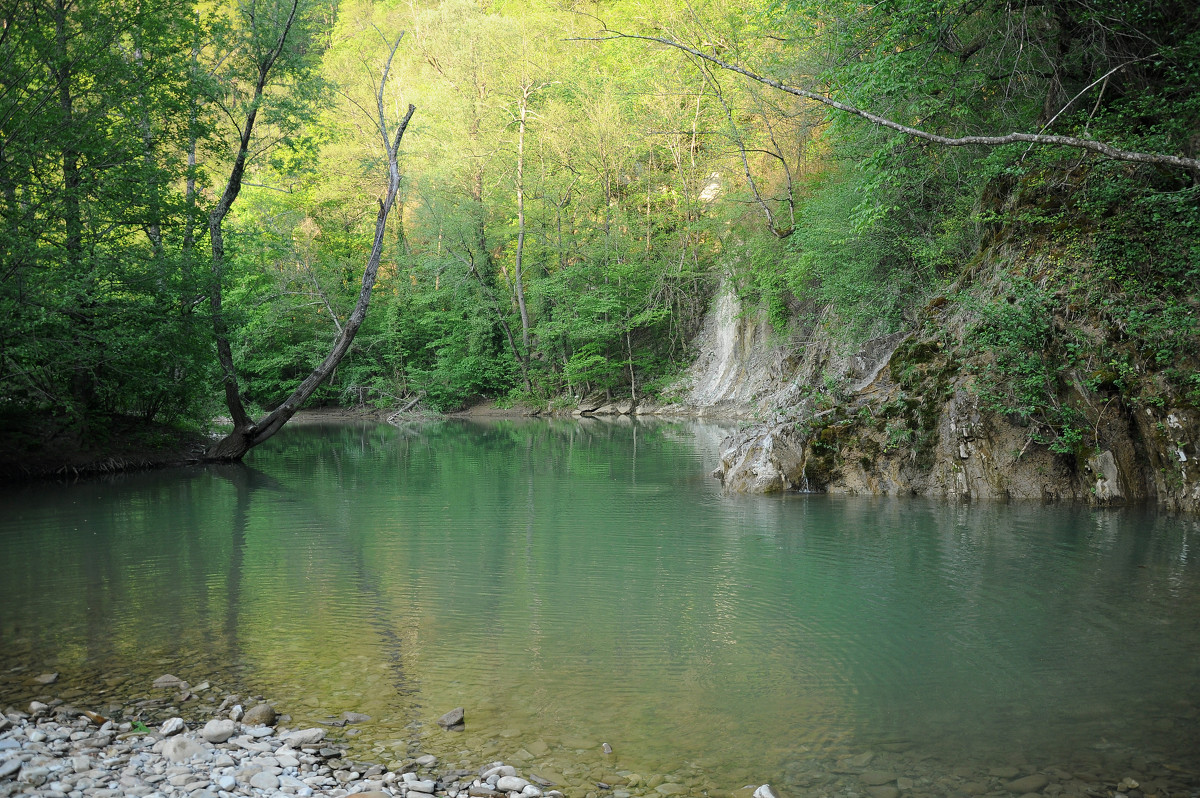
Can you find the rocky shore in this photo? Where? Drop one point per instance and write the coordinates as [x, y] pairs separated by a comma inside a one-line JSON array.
[[61, 751], [184, 748]]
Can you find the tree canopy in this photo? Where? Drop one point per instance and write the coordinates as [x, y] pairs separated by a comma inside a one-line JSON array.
[[189, 191]]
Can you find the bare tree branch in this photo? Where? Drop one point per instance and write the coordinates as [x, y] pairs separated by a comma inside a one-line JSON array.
[[1101, 147]]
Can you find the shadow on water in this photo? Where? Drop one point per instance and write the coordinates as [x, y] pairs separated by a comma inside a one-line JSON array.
[[571, 583]]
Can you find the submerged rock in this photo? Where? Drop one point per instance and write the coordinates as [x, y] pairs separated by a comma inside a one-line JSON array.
[[454, 717]]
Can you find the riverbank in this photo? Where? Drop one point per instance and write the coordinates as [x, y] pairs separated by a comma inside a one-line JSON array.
[[53, 749], [38, 447]]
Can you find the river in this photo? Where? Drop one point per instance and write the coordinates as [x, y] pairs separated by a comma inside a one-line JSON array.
[[573, 583]]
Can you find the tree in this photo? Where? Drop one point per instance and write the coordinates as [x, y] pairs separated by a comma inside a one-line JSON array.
[[91, 98], [943, 36], [246, 434]]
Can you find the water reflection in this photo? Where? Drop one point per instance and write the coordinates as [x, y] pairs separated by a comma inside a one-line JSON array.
[[576, 582]]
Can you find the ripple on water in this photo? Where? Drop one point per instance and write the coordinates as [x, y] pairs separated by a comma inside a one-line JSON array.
[[556, 584]]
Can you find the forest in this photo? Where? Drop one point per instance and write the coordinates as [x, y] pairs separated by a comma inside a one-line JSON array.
[[539, 198]]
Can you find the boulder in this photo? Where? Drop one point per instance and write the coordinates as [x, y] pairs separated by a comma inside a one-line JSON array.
[[454, 717], [261, 715], [303, 737], [218, 730], [181, 749]]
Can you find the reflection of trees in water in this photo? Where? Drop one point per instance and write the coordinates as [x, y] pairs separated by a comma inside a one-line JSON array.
[[248, 481]]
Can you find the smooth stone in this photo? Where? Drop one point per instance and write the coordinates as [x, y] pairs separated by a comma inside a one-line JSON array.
[[260, 715], [9, 767], [499, 770], [863, 759], [538, 748], [46, 678], [257, 732], [531, 791], [264, 781], [422, 785], [237, 713], [454, 717], [884, 791], [37, 707], [765, 791], [303, 737], [179, 749], [37, 736], [218, 730], [877, 778], [249, 744], [1028, 784], [167, 680], [227, 782], [355, 717], [426, 760], [1004, 772], [481, 791], [511, 784], [171, 726], [670, 788]]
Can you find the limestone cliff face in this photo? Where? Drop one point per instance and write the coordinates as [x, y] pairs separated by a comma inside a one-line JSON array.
[[743, 368], [907, 415], [916, 427]]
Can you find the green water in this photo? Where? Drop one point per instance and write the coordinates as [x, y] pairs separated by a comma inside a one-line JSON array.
[[577, 583]]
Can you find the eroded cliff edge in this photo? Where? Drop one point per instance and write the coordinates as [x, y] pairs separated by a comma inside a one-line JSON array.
[[1043, 372]]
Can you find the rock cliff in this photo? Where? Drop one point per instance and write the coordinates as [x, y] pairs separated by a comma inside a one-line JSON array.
[[924, 412]]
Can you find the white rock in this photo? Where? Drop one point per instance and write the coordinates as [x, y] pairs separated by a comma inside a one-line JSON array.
[[237, 712], [37, 736], [264, 781], [179, 749], [227, 782], [531, 791], [171, 726], [765, 791], [427, 760], [218, 730], [302, 737], [511, 784], [499, 770], [422, 785]]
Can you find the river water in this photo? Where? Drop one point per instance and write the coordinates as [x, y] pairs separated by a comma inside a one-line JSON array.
[[577, 583]]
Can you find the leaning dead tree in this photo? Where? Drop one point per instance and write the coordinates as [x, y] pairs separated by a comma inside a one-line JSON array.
[[247, 433], [1101, 147]]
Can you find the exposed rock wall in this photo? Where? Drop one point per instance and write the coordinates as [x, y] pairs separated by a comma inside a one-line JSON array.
[[915, 426]]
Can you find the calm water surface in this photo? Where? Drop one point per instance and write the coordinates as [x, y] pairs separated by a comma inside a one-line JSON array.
[[572, 583]]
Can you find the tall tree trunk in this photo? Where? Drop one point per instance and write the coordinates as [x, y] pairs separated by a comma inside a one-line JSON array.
[[233, 186], [518, 282], [246, 435]]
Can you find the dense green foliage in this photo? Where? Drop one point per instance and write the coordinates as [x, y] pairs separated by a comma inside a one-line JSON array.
[[569, 204]]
